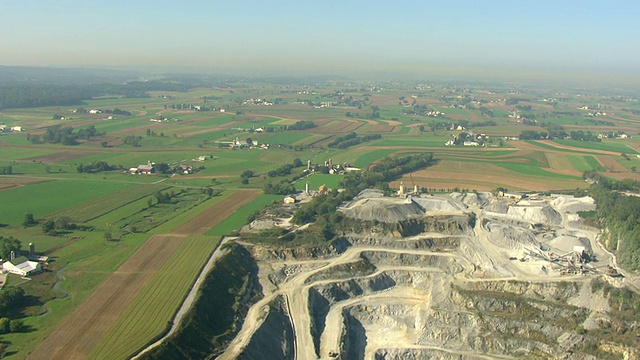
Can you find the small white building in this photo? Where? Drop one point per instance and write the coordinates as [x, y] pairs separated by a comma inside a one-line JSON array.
[[16, 128], [22, 266], [289, 200]]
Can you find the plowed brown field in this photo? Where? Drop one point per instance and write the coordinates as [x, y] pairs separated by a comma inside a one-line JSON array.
[[85, 327], [609, 163]]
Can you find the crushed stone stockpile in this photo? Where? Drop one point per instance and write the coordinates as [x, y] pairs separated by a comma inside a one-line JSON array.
[[386, 210], [535, 214], [493, 286]]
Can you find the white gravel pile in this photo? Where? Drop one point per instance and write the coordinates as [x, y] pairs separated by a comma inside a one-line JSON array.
[[436, 204], [384, 209], [535, 214], [471, 199], [572, 204], [565, 241], [511, 238]]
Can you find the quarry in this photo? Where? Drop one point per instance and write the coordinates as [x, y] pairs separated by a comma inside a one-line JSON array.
[[445, 276]]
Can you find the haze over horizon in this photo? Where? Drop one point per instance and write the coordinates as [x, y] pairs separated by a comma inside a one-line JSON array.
[[497, 39]]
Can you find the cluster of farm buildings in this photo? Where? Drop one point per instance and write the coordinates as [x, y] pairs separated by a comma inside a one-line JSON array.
[[150, 167], [6, 128], [254, 144], [24, 265]]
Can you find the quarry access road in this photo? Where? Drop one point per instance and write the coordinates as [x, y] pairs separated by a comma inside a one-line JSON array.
[[330, 338], [461, 354], [188, 301], [296, 294]]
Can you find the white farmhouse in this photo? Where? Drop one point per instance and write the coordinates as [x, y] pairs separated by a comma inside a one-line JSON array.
[[22, 266]]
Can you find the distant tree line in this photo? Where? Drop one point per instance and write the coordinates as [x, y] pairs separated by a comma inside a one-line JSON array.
[[132, 140], [7, 245], [284, 187], [351, 139], [417, 110], [556, 133], [26, 95], [6, 170], [64, 135], [96, 166], [283, 170], [115, 111], [302, 125], [515, 100], [485, 111], [54, 227]]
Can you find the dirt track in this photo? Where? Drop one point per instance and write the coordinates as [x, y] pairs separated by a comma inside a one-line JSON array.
[[76, 337]]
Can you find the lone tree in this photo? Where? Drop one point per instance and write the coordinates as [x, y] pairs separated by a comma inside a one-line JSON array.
[[7, 245], [29, 220]]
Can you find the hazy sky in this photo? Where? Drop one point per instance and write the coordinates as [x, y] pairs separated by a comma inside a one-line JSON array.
[[336, 37]]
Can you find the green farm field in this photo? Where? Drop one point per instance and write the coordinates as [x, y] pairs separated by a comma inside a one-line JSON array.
[[94, 208], [611, 145], [85, 263], [42, 199], [585, 163], [157, 302]]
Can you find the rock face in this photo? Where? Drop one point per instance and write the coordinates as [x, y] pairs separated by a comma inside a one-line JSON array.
[[446, 277], [274, 338]]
